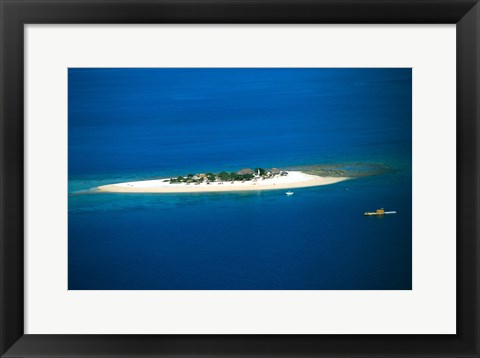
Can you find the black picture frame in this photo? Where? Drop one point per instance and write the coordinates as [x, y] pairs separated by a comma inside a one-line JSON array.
[[16, 13]]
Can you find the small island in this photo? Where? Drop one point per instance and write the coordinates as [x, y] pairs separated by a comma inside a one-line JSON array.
[[243, 180]]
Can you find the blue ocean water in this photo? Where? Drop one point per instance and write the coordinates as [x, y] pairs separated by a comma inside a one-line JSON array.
[[134, 124]]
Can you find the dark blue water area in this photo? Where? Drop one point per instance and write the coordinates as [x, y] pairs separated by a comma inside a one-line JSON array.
[[137, 120], [135, 124]]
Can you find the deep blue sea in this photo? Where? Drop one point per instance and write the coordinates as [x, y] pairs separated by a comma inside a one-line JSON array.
[[136, 124]]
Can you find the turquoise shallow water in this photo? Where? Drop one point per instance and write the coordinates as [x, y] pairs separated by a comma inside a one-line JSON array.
[[131, 124]]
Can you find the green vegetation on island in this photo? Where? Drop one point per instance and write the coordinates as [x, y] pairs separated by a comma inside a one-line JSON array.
[[242, 175]]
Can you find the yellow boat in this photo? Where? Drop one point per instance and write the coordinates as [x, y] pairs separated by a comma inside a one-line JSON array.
[[379, 212]]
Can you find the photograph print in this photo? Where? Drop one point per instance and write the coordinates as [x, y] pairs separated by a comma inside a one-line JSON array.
[[239, 179]]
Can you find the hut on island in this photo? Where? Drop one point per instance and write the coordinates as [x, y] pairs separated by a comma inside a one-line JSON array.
[[274, 171], [245, 171]]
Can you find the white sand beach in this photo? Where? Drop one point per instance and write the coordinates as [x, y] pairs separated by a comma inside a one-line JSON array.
[[294, 179]]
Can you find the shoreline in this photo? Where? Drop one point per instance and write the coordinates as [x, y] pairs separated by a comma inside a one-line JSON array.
[[294, 179]]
